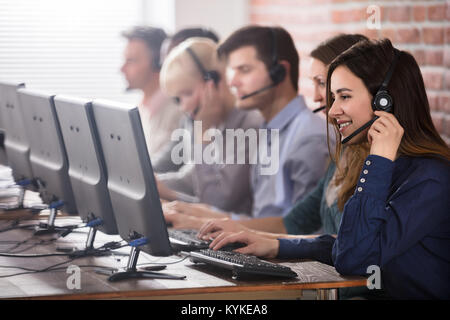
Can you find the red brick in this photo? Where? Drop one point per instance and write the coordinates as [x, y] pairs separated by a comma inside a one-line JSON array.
[[433, 35], [399, 14], [444, 103], [419, 55], [436, 12], [419, 13], [369, 33], [433, 100], [447, 57], [434, 58], [447, 10], [447, 79], [447, 35], [389, 33], [433, 79], [344, 16], [411, 35], [438, 120]]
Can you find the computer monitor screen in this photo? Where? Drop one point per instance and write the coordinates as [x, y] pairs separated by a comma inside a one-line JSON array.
[[47, 153], [131, 182], [87, 170], [16, 143]]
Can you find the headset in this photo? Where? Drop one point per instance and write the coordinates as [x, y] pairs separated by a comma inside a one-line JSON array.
[[207, 75], [277, 72], [382, 100]]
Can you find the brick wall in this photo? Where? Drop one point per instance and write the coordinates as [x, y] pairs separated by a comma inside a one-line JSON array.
[[420, 27]]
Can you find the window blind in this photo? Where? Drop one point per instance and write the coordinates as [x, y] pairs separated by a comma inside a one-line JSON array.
[[69, 47]]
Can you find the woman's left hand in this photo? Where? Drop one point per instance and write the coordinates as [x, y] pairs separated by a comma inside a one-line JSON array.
[[385, 135], [256, 245]]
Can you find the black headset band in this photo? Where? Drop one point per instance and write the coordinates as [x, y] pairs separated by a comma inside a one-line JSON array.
[[274, 46], [197, 61], [391, 70]]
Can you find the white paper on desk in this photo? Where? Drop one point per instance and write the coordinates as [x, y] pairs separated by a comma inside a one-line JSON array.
[[9, 192], [5, 173]]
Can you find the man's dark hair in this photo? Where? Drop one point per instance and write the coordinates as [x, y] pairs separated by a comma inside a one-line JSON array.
[[184, 34], [187, 33], [153, 38], [262, 39]]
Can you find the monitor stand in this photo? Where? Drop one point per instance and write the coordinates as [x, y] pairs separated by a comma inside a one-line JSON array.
[[49, 226], [89, 249], [132, 273]]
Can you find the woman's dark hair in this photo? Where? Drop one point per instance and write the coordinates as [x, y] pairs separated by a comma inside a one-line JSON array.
[[262, 39], [329, 49], [370, 61]]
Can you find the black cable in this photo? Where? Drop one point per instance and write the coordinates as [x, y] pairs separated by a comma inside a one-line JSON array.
[[18, 245], [33, 245], [12, 255], [37, 271], [54, 267]]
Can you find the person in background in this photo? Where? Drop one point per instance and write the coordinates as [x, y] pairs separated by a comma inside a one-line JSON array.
[[162, 161], [193, 74], [263, 66], [159, 114], [391, 179]]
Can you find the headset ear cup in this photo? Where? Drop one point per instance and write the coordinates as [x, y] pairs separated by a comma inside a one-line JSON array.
[[212, 75], [382, 102], [277, 73]]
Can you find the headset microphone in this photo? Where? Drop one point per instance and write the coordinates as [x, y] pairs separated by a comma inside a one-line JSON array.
[[366, 125], [382, 100], [319, 109], [258, 91]]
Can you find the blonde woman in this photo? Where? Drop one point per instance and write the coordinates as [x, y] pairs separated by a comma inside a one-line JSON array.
[[194, 76]]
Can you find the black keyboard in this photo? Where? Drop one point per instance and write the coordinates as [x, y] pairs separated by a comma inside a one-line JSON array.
[[186, 240], [242, 265]]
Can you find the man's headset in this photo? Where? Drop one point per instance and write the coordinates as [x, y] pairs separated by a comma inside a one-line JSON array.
[[277, 72], [382, 101]]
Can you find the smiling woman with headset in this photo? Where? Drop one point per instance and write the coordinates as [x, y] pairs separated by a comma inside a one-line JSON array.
[[392, 178], [396, 213]]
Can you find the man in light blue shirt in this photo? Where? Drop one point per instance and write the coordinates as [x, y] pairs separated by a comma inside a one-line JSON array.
[[263, 70], [303, 157]]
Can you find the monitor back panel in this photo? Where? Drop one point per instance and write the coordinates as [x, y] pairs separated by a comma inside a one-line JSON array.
[[47, 153], [87, 170], [131, 182], [17, 145]]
